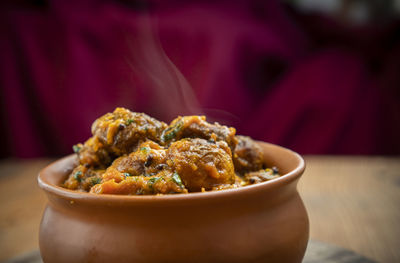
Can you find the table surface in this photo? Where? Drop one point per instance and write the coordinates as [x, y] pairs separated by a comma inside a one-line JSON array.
[[352, 202]]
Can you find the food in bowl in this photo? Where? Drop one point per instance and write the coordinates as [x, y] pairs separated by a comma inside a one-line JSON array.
[[134, 154], [263, 222]]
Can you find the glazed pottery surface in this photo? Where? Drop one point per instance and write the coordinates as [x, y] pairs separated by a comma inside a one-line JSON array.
[[265, 222]]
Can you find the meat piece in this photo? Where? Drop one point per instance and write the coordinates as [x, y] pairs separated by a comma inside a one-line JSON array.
[[116, 134], [198, 127], [83, 178], [121, 131], [93, 153], [146, 160], [201, 164], [142, 172], [247, 156]]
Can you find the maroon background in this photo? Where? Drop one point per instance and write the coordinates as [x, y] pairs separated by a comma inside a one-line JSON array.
[[306, 82]]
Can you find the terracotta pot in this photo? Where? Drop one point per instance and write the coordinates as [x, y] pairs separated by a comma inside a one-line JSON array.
[[265, 222]]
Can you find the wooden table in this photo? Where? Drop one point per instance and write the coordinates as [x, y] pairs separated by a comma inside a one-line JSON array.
[[353, 202]]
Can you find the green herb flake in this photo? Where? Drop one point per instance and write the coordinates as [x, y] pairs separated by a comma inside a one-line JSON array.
[[129, 121], [152, 181], [76, 148], [172, 131], [145, 149], [127, 174], [95, 180], [177, 179], [77, 176]]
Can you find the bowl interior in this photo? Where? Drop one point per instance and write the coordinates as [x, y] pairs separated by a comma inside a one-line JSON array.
[[291, 165]]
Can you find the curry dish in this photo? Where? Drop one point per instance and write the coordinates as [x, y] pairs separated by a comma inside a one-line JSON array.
[[134, 154]]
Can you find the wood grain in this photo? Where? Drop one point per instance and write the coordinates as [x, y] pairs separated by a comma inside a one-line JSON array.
[[352, 202], [21, 206]]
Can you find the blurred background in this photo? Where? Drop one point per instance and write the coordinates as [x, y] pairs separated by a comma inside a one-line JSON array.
[[319, 77]]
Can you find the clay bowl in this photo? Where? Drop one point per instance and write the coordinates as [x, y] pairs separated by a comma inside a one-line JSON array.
[[265, 222]]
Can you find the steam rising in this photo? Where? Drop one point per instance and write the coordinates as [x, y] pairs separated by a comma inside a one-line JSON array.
[[171, 93]]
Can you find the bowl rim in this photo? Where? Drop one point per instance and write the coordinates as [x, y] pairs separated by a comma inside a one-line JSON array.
[[73, 195]]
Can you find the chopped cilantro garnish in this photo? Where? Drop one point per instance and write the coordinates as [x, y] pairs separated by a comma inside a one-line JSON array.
[[95, 180], [145, 149], [152, 181], [171, 131], [177, 179], [129, 121], [77, 176], [76, 148]]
